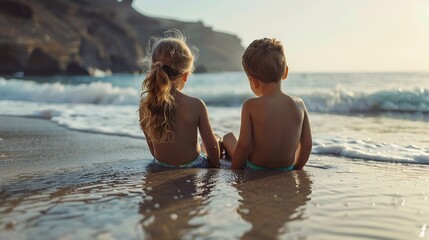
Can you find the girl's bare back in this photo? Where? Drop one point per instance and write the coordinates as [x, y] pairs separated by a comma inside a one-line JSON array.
[[185, 147], [170, 120]]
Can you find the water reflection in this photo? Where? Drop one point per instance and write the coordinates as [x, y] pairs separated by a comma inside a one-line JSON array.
[[132, 202], [272, 199], [52, 205], [173, 198]]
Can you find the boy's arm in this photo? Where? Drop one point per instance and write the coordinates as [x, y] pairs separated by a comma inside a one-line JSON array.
[[305, 143], [210, 141], [244, 145]]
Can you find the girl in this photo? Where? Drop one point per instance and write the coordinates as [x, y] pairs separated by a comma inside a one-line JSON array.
[[170, 119]]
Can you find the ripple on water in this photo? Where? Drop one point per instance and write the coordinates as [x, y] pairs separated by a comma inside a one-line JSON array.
[[108, 202]]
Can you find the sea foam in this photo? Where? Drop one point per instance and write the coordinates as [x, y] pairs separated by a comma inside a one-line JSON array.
[[394, 101], [341, 101], [92, 93], [365, 150], [108, 108]]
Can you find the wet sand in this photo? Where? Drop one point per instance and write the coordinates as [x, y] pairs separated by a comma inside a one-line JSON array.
[[61, 184], [30, 145]]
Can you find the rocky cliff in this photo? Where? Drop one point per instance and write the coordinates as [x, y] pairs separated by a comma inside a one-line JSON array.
[[47, 37]]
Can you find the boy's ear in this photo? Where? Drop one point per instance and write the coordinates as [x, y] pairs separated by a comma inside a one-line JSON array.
[[255, 82], [286, 73]]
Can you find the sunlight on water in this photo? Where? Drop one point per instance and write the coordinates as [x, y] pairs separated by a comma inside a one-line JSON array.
[[140, 201], [366, 179], [345, 109]]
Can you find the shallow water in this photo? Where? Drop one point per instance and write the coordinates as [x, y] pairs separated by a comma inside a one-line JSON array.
[[366, 179], [331, 199], [370, 116]]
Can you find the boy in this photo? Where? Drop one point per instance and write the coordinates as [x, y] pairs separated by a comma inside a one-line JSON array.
[[275, 131]]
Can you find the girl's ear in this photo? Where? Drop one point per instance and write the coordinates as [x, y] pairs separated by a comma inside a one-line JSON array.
[[286, 73], [185, 76]]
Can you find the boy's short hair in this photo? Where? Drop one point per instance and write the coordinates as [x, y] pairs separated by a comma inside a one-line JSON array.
[[265, 60]]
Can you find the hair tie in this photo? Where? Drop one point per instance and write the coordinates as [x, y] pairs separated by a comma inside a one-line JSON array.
[[158, 64], [171, 72]]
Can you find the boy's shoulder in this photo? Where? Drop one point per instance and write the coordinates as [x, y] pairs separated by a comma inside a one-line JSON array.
[[250, 101], [252, 105], [257, 103], [297, 100], [257, 100]]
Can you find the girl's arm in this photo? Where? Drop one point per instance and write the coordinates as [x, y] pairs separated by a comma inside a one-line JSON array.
[[210, 142], [149, 144], [305, 144], [244, 145]]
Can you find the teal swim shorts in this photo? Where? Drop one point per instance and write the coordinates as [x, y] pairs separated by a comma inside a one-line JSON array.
[[251, 166], [200, 162]]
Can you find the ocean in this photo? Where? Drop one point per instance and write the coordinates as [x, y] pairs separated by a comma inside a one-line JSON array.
[[380, 117], [74, 163]]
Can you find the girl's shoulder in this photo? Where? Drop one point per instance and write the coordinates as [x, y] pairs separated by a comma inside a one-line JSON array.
[[193, 101]]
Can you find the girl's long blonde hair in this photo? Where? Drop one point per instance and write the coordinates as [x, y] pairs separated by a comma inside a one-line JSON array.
[[168, 58]]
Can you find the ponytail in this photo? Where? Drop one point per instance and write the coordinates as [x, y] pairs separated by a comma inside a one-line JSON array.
[[157, 106], [167, 58]]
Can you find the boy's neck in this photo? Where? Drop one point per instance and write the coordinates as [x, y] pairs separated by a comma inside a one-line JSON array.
[[269, 89]]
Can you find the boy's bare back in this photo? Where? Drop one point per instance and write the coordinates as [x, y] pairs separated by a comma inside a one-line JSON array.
[[275, 131], [276, 127]]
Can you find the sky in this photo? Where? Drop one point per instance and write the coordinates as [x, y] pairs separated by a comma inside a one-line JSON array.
[[319, 36]]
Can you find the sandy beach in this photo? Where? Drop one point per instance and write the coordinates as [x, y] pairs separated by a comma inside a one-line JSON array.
[[30, 145], [63, 184]]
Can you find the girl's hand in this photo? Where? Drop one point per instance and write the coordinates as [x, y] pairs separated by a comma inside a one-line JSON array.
[[222, 152]]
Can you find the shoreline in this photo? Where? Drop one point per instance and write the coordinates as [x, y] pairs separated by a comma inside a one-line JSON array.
[[29, 145], [54, 180]]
